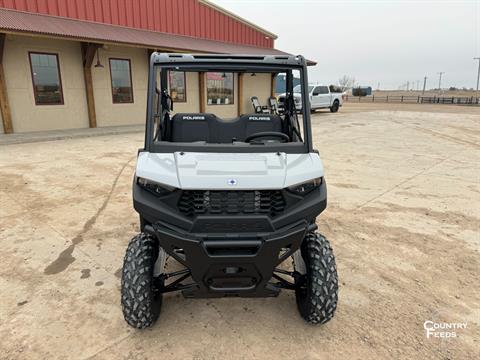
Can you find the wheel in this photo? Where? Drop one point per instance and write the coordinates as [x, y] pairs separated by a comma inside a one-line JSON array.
[[317, 286], [141, 300], [335, 106]]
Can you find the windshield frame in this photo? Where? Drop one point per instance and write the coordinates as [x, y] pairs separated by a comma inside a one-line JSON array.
[[233, 64]]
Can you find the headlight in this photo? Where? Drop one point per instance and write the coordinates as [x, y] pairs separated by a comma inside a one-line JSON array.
[[306, 187], [154, 187]]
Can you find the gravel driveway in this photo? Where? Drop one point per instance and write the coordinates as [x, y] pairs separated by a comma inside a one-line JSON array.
[[403, 219]]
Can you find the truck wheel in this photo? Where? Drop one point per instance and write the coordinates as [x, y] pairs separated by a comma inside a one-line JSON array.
[[317, 286], [335, 106], [141, 300]]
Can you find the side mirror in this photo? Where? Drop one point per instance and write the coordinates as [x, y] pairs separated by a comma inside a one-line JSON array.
[[316, 94]]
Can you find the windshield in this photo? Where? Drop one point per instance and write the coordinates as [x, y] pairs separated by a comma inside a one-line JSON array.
[[298, 89], [218, 108]]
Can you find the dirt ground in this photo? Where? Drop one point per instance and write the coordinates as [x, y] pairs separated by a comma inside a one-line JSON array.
[[403, 219], [354, 107]]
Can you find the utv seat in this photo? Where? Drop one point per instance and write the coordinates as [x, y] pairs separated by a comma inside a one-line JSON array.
[[191, 127], [211, 129], [261, 123]]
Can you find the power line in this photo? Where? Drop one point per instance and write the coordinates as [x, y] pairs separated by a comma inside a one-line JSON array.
[[424, 84], [478, 72], [440, 79]]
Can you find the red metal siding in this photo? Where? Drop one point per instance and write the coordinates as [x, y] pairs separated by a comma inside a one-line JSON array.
[[183, 17], [27, 22]]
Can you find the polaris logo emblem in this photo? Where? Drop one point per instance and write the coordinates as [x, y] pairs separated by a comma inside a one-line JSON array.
[[259, 118], [232, 182], [188, 117]]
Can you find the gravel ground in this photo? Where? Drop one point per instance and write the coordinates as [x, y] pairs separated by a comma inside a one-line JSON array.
[[403, 219]]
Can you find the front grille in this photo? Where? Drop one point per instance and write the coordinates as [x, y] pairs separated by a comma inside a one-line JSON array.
[[216, 202]]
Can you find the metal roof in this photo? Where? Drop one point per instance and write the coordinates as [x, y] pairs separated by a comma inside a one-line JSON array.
[[197, 18], [46, 25], [239, 18]]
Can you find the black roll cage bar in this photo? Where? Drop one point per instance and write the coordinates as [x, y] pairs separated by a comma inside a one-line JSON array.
[[227, 63]]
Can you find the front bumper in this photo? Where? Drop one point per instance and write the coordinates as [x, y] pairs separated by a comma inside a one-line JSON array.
[[240, 266]]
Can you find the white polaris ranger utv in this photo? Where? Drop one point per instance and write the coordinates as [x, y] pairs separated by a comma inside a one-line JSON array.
[[229, 199]]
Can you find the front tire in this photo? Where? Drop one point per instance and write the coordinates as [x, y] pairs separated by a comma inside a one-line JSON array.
[[141, 300], [317, 286], [335, 106]]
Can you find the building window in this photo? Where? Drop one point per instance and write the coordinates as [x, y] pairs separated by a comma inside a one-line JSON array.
[[47, 84], [219, 88], [121, 74], [176, 81]]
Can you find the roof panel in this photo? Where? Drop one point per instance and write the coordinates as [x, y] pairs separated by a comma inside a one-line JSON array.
[[31, 23], [182, 16]]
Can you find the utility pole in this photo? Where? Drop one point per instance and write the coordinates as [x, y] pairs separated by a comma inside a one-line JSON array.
[[408, 85], [418, 84], [478, 72], [440, 80], [424, 84]]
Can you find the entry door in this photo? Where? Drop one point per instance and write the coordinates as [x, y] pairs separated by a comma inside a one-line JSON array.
[[316, 97], [324, 96]]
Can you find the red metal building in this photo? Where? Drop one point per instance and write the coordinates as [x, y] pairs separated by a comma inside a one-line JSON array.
[[193, 18], [199, 19], [103, 30]]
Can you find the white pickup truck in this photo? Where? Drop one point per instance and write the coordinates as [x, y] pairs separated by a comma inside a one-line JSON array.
[[320, 98]]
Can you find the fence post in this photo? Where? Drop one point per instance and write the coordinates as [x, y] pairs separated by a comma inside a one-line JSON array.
[[401, 99], [373, 98]]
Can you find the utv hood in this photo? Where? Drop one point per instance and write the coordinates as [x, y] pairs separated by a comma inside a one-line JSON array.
[[226, 171]]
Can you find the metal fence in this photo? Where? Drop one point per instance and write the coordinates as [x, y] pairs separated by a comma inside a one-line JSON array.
[[456, 100]]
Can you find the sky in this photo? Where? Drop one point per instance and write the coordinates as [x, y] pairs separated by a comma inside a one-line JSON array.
[[376, 42]]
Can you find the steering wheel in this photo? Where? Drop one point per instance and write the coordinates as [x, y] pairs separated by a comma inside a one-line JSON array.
[[276, 134]]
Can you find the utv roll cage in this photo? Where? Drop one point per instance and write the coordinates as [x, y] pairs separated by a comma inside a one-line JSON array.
[[158, 109]]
